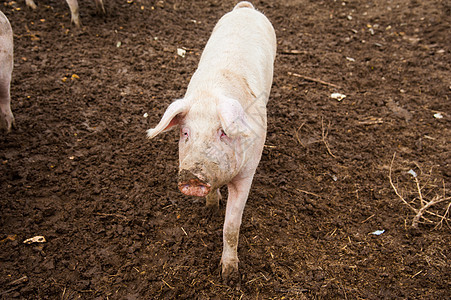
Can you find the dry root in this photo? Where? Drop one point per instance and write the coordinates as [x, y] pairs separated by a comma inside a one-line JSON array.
[[421, 205], [324, 134]]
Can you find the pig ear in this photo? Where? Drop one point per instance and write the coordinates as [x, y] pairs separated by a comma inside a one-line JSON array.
[[233, 118], [171, 117]]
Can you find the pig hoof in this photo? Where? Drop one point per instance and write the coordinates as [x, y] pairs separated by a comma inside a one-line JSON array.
[[210, 212], [211, 208], [231, 275]]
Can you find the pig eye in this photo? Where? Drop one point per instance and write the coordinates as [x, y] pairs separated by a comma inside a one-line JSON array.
[[184, 133]]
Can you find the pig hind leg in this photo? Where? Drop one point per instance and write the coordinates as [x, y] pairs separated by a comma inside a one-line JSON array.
[[213, 198]]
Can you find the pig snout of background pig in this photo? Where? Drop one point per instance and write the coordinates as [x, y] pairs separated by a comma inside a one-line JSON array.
[[73, 6], [6, 68], [222, 118]]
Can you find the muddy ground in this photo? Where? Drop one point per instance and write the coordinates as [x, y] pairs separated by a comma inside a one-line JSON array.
[[79, 170]]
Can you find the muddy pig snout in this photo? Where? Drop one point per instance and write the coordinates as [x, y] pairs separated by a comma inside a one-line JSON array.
[[193, 185]]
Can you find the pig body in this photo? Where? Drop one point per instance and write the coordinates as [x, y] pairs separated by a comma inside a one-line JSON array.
[[6, 68], [73, 6], [222, 118]]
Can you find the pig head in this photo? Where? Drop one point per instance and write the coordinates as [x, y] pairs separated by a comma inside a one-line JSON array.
[[222, 118], [213, 135]]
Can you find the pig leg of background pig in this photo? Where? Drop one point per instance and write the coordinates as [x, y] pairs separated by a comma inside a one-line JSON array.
[[6, 115], [238, 193], [99, 7], [75, 15], [31, 4], [213, 199], [6, 68]]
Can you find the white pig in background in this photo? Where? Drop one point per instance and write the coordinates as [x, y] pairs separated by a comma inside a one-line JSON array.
[[73, 6], [222, 118], [6, 69]]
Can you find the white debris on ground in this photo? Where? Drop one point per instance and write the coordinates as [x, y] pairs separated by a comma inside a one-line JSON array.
[[412, 172], [181, 52], [378, 232], [337, 96], [35, 239]]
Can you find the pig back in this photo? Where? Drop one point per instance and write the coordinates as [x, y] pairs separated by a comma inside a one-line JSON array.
[[243, 43]]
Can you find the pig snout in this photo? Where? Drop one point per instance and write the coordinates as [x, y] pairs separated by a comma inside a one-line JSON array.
[[193, 185]]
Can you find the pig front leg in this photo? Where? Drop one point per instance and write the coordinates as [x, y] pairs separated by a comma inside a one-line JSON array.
[[238, 193]]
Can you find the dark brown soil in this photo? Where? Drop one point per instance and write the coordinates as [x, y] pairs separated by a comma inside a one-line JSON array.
[[79, 170]]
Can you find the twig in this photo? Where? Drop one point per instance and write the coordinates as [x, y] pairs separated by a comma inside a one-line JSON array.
[[437, 215], [31, 34], [21, 280], [64, 293], [293, 52], [314, 80], [417, 273], [367, 218], [15, 285], [111, 215], [171, 287], [190, 49], [419, 191], [184, 231], [297, 136], [416, 219], [309, 193], [395, 189], [425, 205], [444, 216], [324, 135], [371, 122], [254, 279]]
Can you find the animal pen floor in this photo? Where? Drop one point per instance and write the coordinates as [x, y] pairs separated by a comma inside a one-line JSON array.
[[79, 170]]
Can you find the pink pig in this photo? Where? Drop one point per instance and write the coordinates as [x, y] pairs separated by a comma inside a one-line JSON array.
[[222, 118], [6, 69]]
